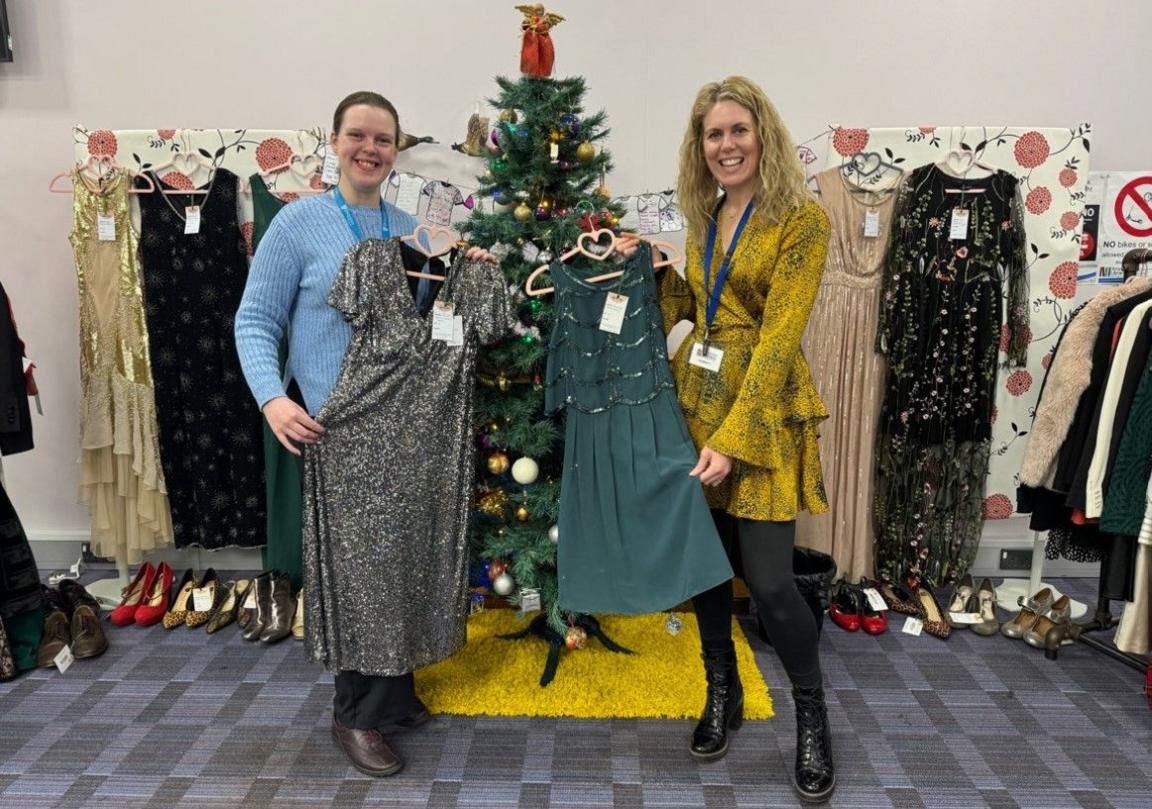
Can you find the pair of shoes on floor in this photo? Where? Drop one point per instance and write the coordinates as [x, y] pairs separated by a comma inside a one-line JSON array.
[[145, 600], [851, 610], [192, 605], [268, 611], [974, 607], [1043, 621], [72, 619], [913, 596]]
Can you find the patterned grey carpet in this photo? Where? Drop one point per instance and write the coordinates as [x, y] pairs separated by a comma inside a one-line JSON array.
[[181, 719]]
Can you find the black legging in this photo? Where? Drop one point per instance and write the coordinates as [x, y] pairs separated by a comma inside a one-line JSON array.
[[762, 553]]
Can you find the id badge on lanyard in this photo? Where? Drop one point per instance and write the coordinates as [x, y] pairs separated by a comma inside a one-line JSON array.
[[704, 355]]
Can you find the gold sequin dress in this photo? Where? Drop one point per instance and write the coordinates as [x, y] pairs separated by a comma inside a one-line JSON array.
[[121, 480], [761, 408], [840, 344]]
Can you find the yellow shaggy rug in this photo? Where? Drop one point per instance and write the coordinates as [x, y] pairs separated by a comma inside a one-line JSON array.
[[664, 679]]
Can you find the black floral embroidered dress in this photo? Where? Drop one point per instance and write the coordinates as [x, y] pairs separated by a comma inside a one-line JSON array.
[[940, 325]]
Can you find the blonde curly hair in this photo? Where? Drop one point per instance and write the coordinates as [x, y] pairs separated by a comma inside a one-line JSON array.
[[782, 181]]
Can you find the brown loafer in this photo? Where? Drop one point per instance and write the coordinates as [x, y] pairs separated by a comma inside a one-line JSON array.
[[415, 719], [367, 750]]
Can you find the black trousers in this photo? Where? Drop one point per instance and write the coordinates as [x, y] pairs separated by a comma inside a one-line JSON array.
[[761, 553], [368, 701]]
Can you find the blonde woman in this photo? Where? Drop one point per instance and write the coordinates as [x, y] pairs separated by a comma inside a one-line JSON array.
[[756, 245]]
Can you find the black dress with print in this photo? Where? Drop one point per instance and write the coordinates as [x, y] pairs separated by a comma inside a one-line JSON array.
[[940, 326], [211, 445]]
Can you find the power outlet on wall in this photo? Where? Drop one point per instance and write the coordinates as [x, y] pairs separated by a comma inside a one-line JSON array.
[[1016, 559]]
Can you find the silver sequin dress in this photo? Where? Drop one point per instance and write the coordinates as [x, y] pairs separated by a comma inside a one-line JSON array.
[[387, 490]]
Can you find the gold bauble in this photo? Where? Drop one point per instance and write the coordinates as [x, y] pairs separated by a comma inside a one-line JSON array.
[[498, 463], [492, 502], [586, 152], [503, 383], [522, 213], [611, 220], [603, 192], [508, 116], [555, 136], [523, 514]]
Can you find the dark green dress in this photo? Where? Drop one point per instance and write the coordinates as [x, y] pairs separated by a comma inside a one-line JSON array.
[[636, 535], [1126, 501], [282, 469]]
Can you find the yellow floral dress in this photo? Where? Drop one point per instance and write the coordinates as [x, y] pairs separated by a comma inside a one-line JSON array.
[[761, 408]]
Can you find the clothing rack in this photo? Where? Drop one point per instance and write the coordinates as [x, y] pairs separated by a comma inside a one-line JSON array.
[[1103, 618]]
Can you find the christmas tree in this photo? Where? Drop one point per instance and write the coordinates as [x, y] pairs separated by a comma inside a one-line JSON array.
[[545, 178]]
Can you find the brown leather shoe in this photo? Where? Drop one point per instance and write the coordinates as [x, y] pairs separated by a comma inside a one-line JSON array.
[[418, 717], [367, 750], [57, 635], [88, 638]]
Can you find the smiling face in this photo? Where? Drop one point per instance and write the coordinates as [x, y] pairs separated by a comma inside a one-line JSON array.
[[731, 146], [366, 146]]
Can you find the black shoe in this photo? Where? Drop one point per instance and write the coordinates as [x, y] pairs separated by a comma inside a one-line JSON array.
[[724, 707], [282, 608], [815, 773]]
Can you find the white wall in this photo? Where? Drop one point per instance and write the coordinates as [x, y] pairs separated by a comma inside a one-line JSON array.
[[137, 64]]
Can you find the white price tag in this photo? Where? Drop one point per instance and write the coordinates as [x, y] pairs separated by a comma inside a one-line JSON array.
[[648, 212], [959, 227], [912, 626], [871, 223], [965, 617], [615, 307], [64, 659], [529, 600], [709, 361], [191, 220], [202, 599], [106, 228], [331, 172], [457, 331], [442, 326], [875, 600], [250, 601]]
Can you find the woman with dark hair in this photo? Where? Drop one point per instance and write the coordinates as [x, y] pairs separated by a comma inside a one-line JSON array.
[[291, 295]]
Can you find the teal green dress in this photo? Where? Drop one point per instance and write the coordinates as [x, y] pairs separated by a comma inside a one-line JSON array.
[[282, 469], [636, 535]]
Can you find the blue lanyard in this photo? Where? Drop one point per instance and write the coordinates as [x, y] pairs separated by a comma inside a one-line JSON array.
[[385, 232], [725, 265]]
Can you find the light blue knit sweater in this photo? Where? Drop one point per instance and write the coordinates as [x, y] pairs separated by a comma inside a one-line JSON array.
[[287, 292]]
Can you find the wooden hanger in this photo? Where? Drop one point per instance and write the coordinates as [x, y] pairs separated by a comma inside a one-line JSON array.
[[594, 237], [431, 232], [95, 161]]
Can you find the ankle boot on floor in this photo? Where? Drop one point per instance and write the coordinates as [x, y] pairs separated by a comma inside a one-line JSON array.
[[263, 614], [724, 706], [279, 621], [815, 773]]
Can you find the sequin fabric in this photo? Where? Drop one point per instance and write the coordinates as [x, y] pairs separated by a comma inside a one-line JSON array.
[[761, 408], [940, 326], [388, 489], [839, 344], [122, 481]]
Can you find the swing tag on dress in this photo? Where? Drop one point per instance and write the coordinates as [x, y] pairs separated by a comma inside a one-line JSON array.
[[106, 228], [871, 223], [457, 331], [330, 174], [705, 356], [191, 220], [615, 307], [959, 227], [442, 326]]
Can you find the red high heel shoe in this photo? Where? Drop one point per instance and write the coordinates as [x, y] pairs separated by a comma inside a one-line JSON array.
[[845, 609], [158, 595], [133, 596]]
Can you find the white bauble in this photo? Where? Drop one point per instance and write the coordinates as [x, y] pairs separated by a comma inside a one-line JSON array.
[[554, 534], [502, 585], [525, 471]]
